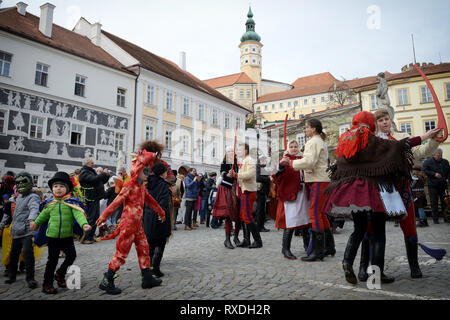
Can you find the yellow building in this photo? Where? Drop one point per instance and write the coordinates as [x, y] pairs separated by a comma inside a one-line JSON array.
[[415, 111]]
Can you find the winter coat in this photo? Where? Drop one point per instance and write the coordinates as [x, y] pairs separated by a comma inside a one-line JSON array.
[[27, 209], [226, 180], [110, 195], [263, 179], [191, 187], [60, 215], [431, 167], [92, 184], [153, 227]]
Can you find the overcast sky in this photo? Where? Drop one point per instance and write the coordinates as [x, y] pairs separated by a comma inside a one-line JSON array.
[[348, 38]]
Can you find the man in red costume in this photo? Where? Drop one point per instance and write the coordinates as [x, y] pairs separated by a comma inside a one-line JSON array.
[[133, 195]]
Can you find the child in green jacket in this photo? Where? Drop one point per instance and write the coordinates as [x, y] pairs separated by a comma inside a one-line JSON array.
[[60, 212]]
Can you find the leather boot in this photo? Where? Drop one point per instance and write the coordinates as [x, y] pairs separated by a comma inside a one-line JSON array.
[[306, 238], [318, 243], [246, 242], [156, 262], [286, 249], [148, 281], [256, 236], [227, 242], [364, 262], [378, 259], [236, 240], [349, 257], [411, 253], [330, 248], [107, 283]]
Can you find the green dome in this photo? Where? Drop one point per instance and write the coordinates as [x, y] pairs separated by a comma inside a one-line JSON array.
[[250, 34]]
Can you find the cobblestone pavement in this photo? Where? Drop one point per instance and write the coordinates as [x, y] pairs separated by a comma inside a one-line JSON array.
[[197, 266]]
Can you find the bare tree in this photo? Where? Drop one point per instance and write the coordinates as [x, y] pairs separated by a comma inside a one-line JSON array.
[[340, 94]]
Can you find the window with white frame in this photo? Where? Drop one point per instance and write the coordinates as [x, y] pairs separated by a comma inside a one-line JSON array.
[[214, 148], [186, 107], [322, 99], [343, 128], [121, 94], [447, 89], [168, 139], [215, 117], [314, 100], [150, 95], [402, 96], [273, 107], [289, 105], [266, 108], [230, 94], [227, 120], [301, 140], [185, 145], [406, 127], [169, 101], [241, 94], [36, 180], [295, 103], [281, 106], [201, 112], [373, 102], [5, 63], [258, 108], [36, 127], [305, 102], [248, 94], [430, 125], [238, 123], [41, 77], [76, 134], [331, 98], [80, 85], [200, 147], [426, 95], [119, 142], [149, 131], [3, 114]]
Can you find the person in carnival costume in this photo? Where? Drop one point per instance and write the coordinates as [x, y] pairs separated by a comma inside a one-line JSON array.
[[384, 131], [130, 230], [315, 163], [293, 202], [58, 214]]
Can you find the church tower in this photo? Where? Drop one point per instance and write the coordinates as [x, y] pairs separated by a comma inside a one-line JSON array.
[[251, 61]]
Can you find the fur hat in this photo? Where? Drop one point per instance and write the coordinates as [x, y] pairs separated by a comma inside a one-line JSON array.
[[62, 178], [159, 168]]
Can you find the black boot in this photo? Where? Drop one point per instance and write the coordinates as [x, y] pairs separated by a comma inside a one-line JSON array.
[[256, 236], [246, 242], [364, 262], [12, 273], [330, 248], [378, 259], [349, 257], [156, 262], [318, 243], [286, 249], [148, 281], [306, 238], [227, 242], [107, 283], [236, 241], [411, 252]]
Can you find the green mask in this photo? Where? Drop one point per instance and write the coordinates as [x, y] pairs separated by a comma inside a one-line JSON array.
[[24, 185]]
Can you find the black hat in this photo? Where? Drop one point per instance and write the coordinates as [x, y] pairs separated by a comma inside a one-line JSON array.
[[159, 168], [61, 177]]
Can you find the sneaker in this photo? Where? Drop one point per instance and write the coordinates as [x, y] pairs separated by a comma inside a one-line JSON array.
[[49, 289], [60, 280]]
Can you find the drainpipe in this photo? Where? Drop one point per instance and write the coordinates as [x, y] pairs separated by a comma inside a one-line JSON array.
[[135, 106]]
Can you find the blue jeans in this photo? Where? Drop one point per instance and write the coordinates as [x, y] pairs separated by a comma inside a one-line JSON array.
[[422, 214], [203, 206]]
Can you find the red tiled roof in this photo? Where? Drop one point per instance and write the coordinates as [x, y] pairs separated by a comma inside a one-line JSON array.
[[315, 80], [62, 39], [229, 80], [167, 68]]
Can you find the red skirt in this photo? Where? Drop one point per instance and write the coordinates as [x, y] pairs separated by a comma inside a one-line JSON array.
[[225, 205]]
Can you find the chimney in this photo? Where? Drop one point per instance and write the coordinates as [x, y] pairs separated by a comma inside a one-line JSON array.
[[96, 32], [46, 19], [22, 8], [183, 60]]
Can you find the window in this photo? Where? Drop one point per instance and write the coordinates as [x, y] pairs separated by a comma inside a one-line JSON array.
[[343, 128], [150, 95], [301, 115], [331, 98], [281, 106], [402, 95], [36, 180], [430, 125], [246, 49], [186, 107], [185, 144], [119, 141], [426, 95], [258, 108], [168, 139], [5, 63], [289, 105], [231, 94], [238, 123], [301, 140], [305, 102], [36, 127], [215, 119], [253, 49], [322, 99], [2, 121], [149, 132], [373, 102], [121, 97], [80, 84], [248, 94], [254, 61], [41, 74], [313, 110], [406, 127], [214, 148], [447, 88], [201, 112], [169, 101], [295, 103], [76, 134], [241, 94], [266, 108], [201, 147], [313, 100], [227, 121]]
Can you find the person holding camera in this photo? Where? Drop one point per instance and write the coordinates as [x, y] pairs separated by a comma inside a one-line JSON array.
[[192, 183]]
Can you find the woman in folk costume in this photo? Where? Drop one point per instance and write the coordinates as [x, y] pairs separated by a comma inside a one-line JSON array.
[[130, 230], [293, 202], [225, 205], [315, 163], [384, 131]]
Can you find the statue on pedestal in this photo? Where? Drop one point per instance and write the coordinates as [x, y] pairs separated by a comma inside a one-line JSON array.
[[383, 101]]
